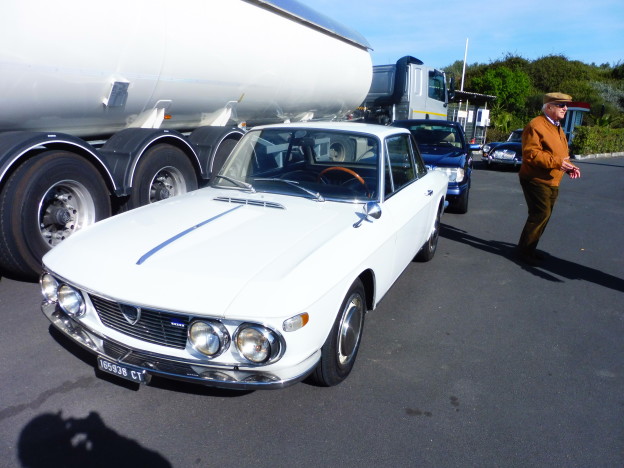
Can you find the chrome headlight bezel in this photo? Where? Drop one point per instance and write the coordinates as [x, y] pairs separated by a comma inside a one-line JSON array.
[[71, 301], [258, 344], [49, 287], [212, 341]]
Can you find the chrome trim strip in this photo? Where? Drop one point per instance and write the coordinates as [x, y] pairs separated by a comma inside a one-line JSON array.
[[181, 234]]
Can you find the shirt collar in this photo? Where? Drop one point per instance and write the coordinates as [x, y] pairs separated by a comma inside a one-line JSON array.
[[556, 124]]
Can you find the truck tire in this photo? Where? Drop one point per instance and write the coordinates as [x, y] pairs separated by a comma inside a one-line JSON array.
[[163, 171], [48, 198]]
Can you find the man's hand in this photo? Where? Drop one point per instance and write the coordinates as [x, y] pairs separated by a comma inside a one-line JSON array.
[[570, 169]]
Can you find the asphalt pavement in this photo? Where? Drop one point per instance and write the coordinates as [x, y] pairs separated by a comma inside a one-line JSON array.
[[471, 360]]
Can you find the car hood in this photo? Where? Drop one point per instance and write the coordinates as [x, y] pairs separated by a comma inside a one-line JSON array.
[[195, 254], [443, 156], [510, 145]]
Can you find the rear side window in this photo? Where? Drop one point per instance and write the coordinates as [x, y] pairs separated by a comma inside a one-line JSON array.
[[400, 166]]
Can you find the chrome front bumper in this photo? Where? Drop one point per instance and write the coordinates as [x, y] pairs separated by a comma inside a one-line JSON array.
[[149, 364]]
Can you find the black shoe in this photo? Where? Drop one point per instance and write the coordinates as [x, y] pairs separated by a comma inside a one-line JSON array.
[[540, 255], [532, 260]]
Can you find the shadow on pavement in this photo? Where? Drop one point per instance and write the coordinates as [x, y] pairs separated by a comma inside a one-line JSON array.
[[550, 266], [51, 440]]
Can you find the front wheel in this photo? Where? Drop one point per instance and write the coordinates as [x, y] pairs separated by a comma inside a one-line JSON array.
[[46, 200], [461, 204], [343, 342]]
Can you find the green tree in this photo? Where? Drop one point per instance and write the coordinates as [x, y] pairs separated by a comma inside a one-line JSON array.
[[549, 73], [510, 87]]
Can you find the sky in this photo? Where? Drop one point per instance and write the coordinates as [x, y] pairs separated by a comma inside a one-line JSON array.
[[591, 31]]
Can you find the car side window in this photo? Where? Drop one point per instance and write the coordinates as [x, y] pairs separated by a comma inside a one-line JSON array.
[[400, 166], [421, 169]]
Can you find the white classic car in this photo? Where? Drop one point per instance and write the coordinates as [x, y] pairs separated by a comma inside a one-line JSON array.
[[264, 277]]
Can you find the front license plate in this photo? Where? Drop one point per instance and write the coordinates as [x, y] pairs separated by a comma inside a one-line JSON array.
[[122, 371]]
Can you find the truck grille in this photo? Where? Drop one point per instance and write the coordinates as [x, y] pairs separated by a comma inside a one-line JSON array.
[[153, 326]]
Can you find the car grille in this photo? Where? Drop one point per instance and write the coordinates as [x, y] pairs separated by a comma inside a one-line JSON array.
[[154, 326]]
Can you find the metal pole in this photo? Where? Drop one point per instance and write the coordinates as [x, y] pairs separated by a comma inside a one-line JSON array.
[[464, 69]]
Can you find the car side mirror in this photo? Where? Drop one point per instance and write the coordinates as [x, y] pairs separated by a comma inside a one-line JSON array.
[[371, 210]]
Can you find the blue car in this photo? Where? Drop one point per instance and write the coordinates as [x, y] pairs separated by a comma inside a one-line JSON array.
[[443, 147]]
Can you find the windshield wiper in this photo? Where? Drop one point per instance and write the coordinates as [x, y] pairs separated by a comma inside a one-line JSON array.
[[293, 183], [238, 183]]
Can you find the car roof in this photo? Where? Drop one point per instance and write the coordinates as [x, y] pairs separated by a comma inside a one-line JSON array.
[[380, 131]]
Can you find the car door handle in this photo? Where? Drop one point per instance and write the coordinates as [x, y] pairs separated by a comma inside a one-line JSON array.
[[429, 193]]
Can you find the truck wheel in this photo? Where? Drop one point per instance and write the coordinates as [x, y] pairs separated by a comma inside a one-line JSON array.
[[341, 346], [163, 171], [47, 199]]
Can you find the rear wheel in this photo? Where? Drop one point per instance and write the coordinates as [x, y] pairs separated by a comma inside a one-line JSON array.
[[428, 250], [46, 200], [163, 171], [343, 342]]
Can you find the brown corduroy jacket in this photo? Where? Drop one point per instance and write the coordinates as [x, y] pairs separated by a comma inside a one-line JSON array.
[[544, 147]]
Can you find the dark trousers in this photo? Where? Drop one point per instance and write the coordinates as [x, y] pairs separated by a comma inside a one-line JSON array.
[[540, 199]]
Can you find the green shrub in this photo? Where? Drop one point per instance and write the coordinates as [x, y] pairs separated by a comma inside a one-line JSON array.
[[595, 140]]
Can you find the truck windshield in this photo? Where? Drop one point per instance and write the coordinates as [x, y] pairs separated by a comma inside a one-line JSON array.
[[311, 163]]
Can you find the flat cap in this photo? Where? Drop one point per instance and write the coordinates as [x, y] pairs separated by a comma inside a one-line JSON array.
[[556, 97]]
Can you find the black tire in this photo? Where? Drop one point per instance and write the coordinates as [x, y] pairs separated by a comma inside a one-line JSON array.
[[343, 342], [164, 171], [461, 203], [48, 198], [428, 250]]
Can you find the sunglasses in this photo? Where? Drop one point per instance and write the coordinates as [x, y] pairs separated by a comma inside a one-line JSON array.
[[560, 105]]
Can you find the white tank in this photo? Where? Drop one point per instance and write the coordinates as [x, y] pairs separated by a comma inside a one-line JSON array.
[[93, 68]]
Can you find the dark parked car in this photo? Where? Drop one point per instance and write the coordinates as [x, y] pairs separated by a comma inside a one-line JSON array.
[[443, 146], [505, 152]]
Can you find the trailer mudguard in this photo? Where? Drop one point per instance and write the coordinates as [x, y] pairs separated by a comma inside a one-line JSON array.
[[17, 146]]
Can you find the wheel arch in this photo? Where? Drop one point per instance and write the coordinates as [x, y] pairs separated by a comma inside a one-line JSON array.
[[123, 151], [367, 277], [209, 141], [18, 147]]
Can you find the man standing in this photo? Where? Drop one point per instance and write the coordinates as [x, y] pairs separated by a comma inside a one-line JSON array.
[[545, 159]]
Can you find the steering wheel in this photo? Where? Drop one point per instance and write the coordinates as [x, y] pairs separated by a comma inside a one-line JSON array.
[[351, 172]]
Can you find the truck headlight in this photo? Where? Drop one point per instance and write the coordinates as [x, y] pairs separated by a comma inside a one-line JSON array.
[[209, 337], [71, 301], [257, 344], [49, 287]]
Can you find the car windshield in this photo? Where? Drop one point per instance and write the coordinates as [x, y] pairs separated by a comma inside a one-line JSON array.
[[316, 164], [437, 135], [516, 135]]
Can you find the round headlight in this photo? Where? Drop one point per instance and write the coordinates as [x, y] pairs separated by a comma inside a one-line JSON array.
[[209, 337], [71, 301], [257, 344], [49, 287]]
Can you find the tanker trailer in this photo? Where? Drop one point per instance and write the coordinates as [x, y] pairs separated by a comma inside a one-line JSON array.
[[109, 106]]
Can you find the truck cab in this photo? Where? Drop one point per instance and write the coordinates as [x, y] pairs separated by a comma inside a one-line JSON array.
[[406, 90]]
